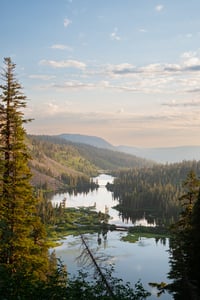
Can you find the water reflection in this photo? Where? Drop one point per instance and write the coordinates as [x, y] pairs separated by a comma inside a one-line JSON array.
[[146, 260], [102, 200], [102, 237], [105, 201]]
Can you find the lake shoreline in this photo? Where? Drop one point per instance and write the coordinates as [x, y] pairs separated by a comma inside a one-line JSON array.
[[143, 256]]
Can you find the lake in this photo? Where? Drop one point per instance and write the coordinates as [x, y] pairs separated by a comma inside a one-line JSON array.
[[146, 260]]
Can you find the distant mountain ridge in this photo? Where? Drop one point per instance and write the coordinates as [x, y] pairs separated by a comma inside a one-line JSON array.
[[56, 161], [165, 154], [87, 139], [161, 155]]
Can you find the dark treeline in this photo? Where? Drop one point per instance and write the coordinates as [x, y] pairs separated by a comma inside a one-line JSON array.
[[164, 188], [185, 245], [175, 185], [27, 269], [153, 190]]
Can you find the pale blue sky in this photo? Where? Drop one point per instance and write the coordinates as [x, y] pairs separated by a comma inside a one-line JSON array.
[[125, 70]]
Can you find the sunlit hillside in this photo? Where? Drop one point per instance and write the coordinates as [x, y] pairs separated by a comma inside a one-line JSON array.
[[54, 158]]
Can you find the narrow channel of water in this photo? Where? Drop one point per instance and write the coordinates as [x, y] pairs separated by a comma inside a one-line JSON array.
[[146, 260], [101, 198]]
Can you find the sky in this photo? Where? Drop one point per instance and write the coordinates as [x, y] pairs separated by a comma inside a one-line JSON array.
[[124, 70]]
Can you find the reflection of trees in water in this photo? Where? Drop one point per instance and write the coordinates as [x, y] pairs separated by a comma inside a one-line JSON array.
[[102, 238], [84, 189], [143, 242], [92, 258], [185, 245], [152, 216], [161, 240], [153, 190], [84, 260], [107, 286]]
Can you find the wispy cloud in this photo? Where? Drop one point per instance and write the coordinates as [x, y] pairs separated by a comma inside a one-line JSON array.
[[159, 7], [63, 64], [67, 22], [181, 77], [190, 62], [122, 70], [142, 30], [73, 85], [144, 127], [189, 103], [195, 90], [61, 47], [190, 59], [41, 76], [133, 121], [189, 35], [114, 35]]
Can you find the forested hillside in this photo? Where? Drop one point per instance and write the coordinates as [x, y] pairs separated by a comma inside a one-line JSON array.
[[56, 162], [57, 165], [159, 155], [112, 160], [155, 190], [28, 269]]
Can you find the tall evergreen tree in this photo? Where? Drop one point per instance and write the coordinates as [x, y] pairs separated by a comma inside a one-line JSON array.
[[23, 250], [25, 269], [194, 258], [185, 243]]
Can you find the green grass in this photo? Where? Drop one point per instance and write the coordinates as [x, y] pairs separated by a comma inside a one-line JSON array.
[[75, 221]]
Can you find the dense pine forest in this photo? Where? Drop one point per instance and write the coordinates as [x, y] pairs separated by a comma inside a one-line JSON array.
[[155, 190], [161, 190], [27, 268]]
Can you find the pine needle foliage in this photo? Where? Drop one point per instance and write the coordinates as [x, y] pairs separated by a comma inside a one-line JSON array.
[[23, 250]]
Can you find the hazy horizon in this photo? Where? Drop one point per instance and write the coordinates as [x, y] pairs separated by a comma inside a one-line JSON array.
[[126, 71]]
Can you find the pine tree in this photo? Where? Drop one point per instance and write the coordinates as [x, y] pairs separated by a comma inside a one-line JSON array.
[[23, 250], [185, 243], [194, 259]]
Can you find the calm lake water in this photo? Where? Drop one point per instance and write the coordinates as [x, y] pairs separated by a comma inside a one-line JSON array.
[[146, 260]]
